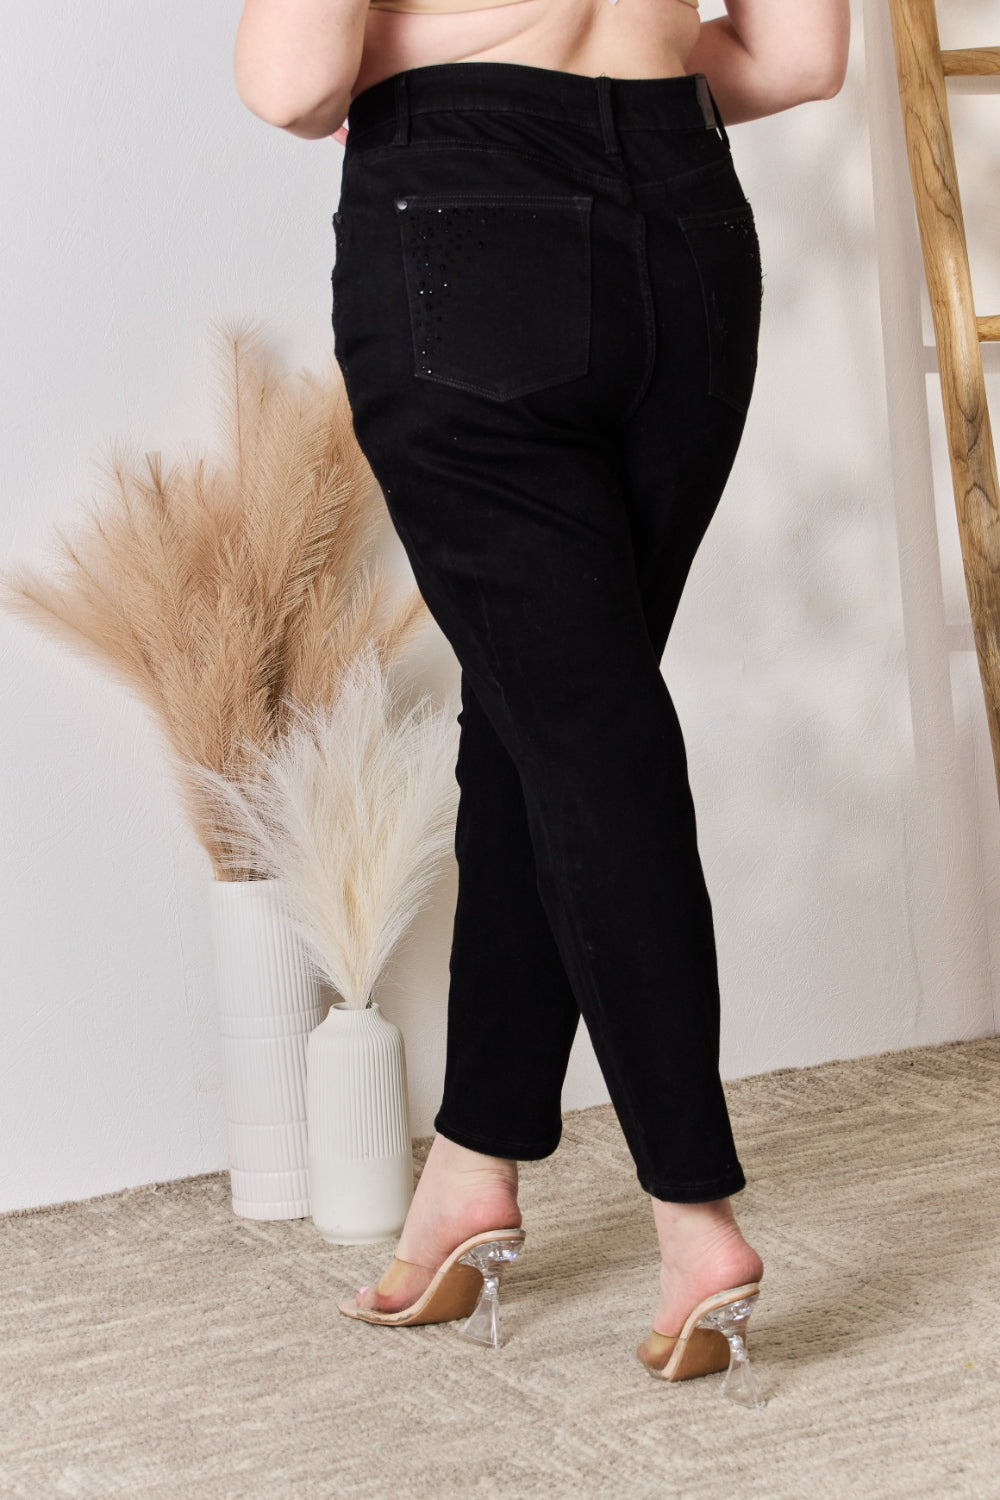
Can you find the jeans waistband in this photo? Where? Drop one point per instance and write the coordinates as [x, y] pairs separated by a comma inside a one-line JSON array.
[[601, 103]]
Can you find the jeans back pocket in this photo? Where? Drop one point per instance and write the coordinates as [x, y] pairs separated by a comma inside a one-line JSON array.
[[498, 286], [726, 252]]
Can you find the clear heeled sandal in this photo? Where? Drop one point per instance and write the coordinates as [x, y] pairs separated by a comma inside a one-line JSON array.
[[466, 1286], [713, 1339]]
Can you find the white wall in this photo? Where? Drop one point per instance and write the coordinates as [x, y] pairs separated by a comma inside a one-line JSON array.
[[820, 661]]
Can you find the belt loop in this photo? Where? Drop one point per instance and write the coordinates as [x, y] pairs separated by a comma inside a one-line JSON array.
[[709, 108], [612, 145], [402, 136]]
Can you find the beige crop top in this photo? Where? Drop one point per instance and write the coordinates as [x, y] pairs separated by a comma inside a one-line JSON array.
[[433, 7]]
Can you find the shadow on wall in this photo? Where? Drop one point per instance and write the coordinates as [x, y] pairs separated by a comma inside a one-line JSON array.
[[789, 663]]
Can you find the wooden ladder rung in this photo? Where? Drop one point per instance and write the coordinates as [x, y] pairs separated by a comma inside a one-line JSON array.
[[971, 62], [989, 329]]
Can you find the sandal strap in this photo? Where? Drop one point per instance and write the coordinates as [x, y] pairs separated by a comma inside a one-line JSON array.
[[500, 1234]]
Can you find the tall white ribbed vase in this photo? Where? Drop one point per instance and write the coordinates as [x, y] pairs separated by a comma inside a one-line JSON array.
[[360, 1152], [270, 999]]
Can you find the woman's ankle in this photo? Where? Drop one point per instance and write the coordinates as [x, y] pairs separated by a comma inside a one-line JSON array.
[[691, 1234], [461, 1160], [717, 1210]]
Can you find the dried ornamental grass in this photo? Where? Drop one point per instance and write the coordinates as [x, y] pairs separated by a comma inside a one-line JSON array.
[[220, 591], [352, 810]]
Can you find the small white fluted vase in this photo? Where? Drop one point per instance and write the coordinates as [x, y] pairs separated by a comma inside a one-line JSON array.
[[360, 1152], [270, 999]]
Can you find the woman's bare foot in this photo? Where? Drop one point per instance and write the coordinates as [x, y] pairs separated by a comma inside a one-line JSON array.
[[460, 1193], [703, 1251]]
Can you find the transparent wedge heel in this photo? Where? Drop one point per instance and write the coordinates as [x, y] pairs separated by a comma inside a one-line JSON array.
[[740, 1383], [490, 1259]]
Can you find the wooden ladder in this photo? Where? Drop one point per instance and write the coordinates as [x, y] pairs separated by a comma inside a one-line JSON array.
[[921, 69]]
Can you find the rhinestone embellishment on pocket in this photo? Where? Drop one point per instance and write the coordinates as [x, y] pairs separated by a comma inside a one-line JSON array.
[[457, 232], [498, 287]]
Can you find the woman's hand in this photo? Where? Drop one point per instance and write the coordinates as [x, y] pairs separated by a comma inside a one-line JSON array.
[[768, 55], [296, 62]]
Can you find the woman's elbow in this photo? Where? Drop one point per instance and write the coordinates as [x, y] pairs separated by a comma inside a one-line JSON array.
[[311, 118], [829, 76], [811, 61], [308, 95], [829, 61], [819, 74]]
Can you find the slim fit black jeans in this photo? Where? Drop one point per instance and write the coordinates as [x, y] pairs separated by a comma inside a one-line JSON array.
[[546, 301]]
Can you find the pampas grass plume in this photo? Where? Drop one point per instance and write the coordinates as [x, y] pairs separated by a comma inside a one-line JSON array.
[[351, 811], [220, 590]]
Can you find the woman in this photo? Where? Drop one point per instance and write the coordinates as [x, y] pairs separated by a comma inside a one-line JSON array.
[[546, 306]]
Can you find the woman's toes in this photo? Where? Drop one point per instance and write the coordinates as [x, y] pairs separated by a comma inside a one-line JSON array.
[[367, 1299], [399, 1286], [372, 1300]]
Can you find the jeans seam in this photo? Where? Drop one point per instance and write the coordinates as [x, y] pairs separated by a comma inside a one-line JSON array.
[[710, 219], [649, 320], [693, 177]]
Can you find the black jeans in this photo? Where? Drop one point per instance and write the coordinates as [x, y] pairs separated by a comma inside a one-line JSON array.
[[546, 305]]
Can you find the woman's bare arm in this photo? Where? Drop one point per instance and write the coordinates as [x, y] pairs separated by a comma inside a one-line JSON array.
[[296, 61], [766, 55]]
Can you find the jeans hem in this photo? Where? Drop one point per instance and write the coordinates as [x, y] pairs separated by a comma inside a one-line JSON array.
[[497, 1145], [705, 1191]]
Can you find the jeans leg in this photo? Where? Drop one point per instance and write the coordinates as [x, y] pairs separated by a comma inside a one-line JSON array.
[[509, 995], [506, 975]]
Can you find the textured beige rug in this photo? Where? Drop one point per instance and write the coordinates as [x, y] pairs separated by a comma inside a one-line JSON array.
[[155, 1346]]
